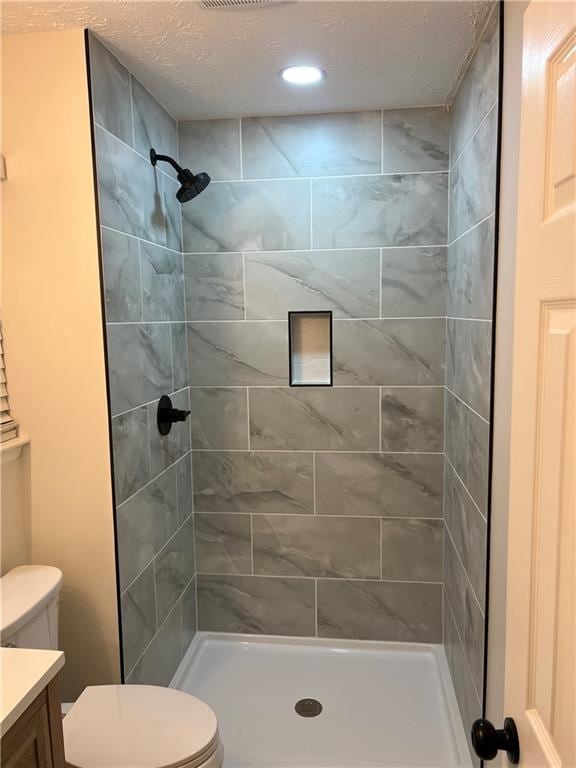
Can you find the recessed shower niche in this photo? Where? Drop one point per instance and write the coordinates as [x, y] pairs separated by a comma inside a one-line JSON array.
[[310, 349]]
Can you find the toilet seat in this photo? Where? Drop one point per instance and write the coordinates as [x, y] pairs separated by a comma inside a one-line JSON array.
[[140, 726]]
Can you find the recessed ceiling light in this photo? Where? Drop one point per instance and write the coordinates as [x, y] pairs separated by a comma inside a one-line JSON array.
[[302, 75]]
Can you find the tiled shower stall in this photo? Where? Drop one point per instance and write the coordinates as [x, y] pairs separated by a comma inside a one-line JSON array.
[[356, 511]]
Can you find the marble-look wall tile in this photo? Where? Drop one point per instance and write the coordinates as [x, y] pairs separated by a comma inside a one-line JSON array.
[[214, 284], [140, 365], [470, 273], [466, 695], [469, 361], [130, 190], [478, 91], [166, 449], [212, 146], [138, 617], [219, 418], [389, 352], [380, 211], [188, 605], [380, 484], [477, 479], [468, 530], [154, 128], [456, 430], [373, 610], [174, 568], [473, 179], [130, 449], [110, 83], [184, 486], [179, 355], [286, 545], [173, 213], [345, 282], [121, 267], [414, 282], [256, 605], [415, 140], [160, 662], [314, 419], [466, 611], [311, 145], [236, 354], [248, 216], [412, 550], [144, 524], [280, 483], [223, 543], [162, 283], [413, 419]]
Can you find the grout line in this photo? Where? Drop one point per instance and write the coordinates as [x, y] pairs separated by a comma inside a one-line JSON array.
[[463, 484], [130, 78], [280, 320], [467, 232], [151, 242], [379, 419], [309, 515], [466, 404], [141, 282], [446, 602], [284, 251], [336, 386], [381, 551], [150, 402], [297, 179], [471, 139], [322, 578], [466, 576], [368, 451], [153, 479], [133, 149], [172, 360]]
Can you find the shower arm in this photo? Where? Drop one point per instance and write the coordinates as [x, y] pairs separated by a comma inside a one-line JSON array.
[[154, 158]]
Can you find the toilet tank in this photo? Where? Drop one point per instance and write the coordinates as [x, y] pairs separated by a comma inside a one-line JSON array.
[[29, 598]]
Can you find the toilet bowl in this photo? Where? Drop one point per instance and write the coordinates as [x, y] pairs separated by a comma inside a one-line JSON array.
[[109, 726], [141, 726]]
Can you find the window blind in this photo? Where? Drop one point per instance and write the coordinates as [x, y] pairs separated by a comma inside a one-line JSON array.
[[8, 426]]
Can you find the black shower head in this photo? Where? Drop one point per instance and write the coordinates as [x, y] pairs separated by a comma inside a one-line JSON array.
[[191, 183]]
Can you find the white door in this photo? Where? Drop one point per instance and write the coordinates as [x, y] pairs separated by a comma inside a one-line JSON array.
[[540, 661]]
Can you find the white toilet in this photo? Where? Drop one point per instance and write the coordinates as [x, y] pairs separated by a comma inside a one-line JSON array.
[[133, 726]]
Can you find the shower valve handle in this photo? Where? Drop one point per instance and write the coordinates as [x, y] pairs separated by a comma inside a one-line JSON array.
[[167, 415]]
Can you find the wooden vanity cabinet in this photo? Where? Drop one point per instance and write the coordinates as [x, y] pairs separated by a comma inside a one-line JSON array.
[[36, 740]]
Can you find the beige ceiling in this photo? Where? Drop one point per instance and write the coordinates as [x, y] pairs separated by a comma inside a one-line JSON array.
[[204, 62]]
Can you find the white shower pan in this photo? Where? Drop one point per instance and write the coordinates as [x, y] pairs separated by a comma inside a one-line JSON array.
[[384, 705]]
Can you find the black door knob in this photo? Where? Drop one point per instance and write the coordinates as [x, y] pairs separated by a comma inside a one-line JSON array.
[[488, 741], [166, 415]]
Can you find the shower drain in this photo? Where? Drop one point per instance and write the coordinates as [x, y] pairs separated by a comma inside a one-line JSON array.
[[308, 707]]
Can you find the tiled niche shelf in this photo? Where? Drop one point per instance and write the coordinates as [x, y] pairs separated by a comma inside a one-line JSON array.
[[310, 348]]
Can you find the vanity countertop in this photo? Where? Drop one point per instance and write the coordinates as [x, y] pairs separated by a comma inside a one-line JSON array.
[[24, 673]]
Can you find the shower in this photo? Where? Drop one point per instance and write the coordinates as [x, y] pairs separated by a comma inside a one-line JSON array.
[[191, 184]]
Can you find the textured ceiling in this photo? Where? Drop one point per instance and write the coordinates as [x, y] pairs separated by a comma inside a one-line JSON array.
[[203, 62]]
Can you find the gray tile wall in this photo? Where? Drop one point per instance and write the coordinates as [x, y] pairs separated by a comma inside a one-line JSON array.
[[147, 355], [473, 151], [319, 511]]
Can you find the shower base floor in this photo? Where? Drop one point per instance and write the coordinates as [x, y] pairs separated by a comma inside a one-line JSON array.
[[385, 705]]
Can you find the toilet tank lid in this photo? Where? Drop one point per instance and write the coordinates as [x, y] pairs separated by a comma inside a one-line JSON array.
[[24, 592]]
